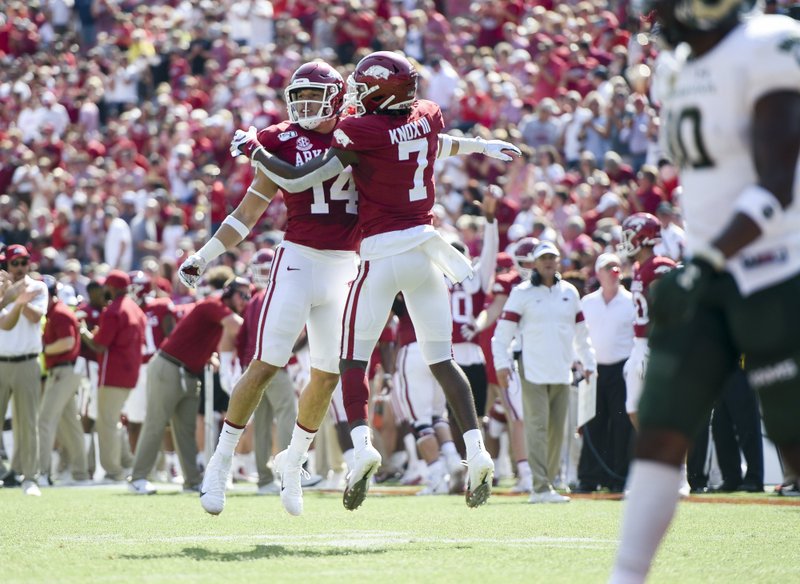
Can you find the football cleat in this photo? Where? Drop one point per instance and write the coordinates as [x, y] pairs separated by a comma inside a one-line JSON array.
[[480, 471], [141, 487], [212, 492], [367, 462], [292, 476]]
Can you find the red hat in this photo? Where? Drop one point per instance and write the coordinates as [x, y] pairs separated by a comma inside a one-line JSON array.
[[118, 279], [16, 251]]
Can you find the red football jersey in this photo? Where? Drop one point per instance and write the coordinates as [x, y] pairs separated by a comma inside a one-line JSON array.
[[91, 316], [248, 333], [405, 331], [503, 283], [61, 323], [394, 176], [121, 331], [466, 307], [197, 335], [643, 276], [155, 310], [326, 216]]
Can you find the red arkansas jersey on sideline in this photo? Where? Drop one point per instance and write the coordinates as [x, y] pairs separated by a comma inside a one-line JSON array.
[[388, 335], [396, 156], [247, 336], [155, 310], [92, 319], [466, 306], [503, 283], [324, 217], [643, 276]]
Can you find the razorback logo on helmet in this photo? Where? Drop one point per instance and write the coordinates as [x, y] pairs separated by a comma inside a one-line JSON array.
[[378, 72], [342, 138], [639, 230], [285, 136]]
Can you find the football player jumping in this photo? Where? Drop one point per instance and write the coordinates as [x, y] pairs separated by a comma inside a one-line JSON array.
[[391, 143]]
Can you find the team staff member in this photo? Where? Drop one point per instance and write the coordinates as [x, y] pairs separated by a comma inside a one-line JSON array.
[[118, 342], [20, 375], [173, 381], [62, 345]]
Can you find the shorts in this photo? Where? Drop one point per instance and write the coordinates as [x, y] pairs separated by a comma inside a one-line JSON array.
[[418, 388], [690, 361], [307, 288]]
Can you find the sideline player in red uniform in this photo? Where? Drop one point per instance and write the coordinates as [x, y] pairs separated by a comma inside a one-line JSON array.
[[391, 144]]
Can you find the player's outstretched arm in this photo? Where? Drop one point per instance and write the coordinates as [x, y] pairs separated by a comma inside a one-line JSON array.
[[454, 145], [233, 230], [293, 179]]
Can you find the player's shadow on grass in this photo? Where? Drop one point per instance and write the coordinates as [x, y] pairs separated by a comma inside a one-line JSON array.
[[258, 552]]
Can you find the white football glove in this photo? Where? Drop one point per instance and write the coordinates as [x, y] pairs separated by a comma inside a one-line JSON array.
[[468, 332], [245, 142], [191, 270], [496, 149]]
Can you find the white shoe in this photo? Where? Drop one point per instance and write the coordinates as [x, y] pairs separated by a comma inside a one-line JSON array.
[[335, 480], [548, 497], [413, 474], [141, 487], [524, 485], [31, 488], [272, 488], [292, 474], [436, 486], [44, 481], [480, 471], [212, 491], [366, 463]]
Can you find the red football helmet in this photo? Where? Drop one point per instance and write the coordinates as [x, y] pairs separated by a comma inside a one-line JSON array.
[[260, 267], [639, 230], [382, 82], [310, 113], [523, 252], [141, 286]]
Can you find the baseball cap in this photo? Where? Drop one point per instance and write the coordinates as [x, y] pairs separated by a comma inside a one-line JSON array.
[[606, 259], [117, 279], [545, 248], [16, 251], [607, 201]]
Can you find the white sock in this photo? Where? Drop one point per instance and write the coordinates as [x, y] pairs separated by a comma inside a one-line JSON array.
[[474, 442], [449, 449], [301, 442], [349, 458], [361, 437], [411, 448], [523, 469], [649, 507], [228, 439]]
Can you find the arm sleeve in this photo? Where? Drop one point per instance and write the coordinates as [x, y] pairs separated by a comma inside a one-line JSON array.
[[583, 346], [488, 262], [507, 326]]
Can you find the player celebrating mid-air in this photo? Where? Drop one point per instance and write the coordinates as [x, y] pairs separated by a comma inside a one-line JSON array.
[[391, 144], [731, 111], [309, 282]]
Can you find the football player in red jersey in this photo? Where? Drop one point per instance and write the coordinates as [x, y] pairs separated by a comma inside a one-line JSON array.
[[311, 276], [391, 143], [640, 234], [159, 313]]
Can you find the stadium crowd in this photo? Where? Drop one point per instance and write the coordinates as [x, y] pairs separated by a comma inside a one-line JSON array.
[[117, 116]]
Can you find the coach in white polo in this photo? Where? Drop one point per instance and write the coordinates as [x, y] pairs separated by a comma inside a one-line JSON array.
[[609, 314], [20, 373]]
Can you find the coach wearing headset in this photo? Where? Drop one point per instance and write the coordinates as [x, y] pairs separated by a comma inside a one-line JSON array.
[[546, 313]]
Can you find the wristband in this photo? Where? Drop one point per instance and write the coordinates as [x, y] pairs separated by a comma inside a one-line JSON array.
[[446, 146], [211, 250], [237, 225], [762, 207]]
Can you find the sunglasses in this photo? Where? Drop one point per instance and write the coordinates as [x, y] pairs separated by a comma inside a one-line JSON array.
[[17, 263]]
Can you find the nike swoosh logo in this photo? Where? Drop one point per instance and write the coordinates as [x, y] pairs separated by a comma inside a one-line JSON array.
[[202, 493], [290, 269]]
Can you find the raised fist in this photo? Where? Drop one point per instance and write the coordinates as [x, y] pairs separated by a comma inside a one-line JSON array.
[[245, 142], [191, 270]]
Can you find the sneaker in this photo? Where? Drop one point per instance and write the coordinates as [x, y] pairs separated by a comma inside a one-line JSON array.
[[436, 486], [272, 488], [480, 472], [44, 481], [548, 497], [788, 489], [141, 487], [212, 493], [367, 461], [292, 476], [524, 485], [31, 488]]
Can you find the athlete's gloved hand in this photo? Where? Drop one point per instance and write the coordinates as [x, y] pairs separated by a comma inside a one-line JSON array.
[[468, 332], [675, 296], [501, 150], [191, 270], [245, 142]]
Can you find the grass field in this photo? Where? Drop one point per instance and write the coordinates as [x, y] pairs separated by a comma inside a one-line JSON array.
[[103, 534]]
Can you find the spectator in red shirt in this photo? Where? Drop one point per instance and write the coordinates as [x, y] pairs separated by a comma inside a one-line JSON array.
[[62, 345], [173, 377], [649, 196], [119, 339]]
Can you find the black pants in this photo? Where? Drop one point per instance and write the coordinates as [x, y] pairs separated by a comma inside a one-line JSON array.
[[607, 437], [736, 426]]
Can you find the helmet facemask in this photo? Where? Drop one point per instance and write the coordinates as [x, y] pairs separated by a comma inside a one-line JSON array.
[[310, 113]]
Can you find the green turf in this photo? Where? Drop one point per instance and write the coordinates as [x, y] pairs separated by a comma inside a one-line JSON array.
[[106, 535]]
